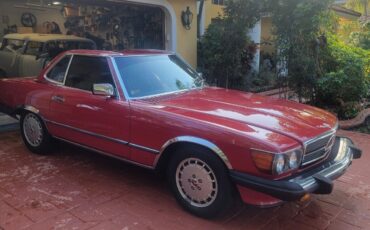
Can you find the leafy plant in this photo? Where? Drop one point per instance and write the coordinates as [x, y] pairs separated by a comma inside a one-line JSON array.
[[297, 30], [225, 52], [346, 78], [360, 39]]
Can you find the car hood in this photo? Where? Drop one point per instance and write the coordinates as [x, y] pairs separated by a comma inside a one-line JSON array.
[[298, 121]]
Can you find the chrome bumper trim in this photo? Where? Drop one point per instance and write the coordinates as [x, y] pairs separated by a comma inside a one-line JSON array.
[[336, 168]]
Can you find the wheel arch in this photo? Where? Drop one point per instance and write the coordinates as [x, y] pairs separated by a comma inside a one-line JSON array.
[[29, 108], [177, 142], [20, 109]]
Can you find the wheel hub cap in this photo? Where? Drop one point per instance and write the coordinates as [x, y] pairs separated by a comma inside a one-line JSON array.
[[196, 182], [32, 130]]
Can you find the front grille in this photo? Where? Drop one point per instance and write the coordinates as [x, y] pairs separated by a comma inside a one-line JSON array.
[[318, 148]]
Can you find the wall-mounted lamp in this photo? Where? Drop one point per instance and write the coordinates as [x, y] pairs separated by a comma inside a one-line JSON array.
[[187, 18]]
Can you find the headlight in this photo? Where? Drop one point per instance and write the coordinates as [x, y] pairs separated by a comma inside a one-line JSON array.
[[277, 163], [294, 159]]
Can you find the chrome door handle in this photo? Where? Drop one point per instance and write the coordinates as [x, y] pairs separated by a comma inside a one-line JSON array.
[[58, 99]]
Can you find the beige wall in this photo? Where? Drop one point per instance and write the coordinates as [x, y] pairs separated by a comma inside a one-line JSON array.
[[267, 36], [186, 39], [7, 8], [211, 11]]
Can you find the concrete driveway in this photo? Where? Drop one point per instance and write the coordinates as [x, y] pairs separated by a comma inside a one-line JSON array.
[[77, 189]]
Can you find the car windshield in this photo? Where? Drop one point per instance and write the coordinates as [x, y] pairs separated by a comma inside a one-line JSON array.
[[158, 74]]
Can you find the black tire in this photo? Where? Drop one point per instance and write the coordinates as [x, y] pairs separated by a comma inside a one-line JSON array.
[[185, 161], [41, 142]]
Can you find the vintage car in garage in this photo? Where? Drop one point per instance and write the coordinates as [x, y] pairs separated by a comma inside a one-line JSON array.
[[27, 54], [151, 109]]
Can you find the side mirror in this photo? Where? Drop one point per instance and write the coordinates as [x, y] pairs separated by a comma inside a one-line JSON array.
[[106, 90], [42, 56]]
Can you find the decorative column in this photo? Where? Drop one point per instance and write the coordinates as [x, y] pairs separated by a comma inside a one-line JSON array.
[[255, 35]]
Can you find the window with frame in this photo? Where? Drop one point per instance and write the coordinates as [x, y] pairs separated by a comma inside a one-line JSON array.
[[85, 71], [34, 48], [12, 45], [58, 72], [218, 2]]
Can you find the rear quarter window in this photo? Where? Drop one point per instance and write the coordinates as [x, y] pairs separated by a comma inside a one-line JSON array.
[[34, 48], [12, 45]]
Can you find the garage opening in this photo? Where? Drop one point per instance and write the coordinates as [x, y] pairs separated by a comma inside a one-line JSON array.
[[112, 25], [116, 26]]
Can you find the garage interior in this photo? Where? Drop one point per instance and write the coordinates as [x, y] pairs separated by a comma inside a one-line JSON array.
[[112, 25]]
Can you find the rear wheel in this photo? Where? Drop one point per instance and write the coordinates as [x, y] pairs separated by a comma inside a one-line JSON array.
[[200, 182], [35, 134]]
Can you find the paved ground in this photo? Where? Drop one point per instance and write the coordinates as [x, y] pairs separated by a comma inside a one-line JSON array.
[[7, 123], [76, 189]]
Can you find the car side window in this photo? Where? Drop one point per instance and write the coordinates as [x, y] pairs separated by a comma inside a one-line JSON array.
[[34, 48], [58, 72], [12, 45], [3, 44], [86, 71]]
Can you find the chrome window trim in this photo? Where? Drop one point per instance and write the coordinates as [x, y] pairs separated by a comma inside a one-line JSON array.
[[53, 65], [67, 71], [194, 140], [119, 76]]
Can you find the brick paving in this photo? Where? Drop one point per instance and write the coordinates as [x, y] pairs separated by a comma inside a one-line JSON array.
[[77, 189]]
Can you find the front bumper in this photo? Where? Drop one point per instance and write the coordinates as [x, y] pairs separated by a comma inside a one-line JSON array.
[[317, 180]]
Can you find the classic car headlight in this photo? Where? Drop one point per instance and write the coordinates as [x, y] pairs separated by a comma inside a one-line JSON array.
[[277, 163]]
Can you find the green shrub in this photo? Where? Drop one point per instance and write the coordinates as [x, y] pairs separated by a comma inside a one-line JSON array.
[[346, 74], [360, 39], [225, 52]]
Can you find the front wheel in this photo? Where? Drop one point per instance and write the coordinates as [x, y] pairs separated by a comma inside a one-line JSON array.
[[34, 134], [200, 182]]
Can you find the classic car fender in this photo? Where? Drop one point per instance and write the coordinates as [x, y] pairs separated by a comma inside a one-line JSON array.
[[194, 140], [30, 108]]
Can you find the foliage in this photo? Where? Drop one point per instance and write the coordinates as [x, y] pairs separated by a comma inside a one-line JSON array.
[[297, 28], [225, 52], [266, 77], [346, 78], [360, 39], [361, 6]]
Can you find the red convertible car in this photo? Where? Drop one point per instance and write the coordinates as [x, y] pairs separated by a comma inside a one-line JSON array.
[[151, 109]]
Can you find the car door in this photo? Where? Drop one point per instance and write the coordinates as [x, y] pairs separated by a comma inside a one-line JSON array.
[[79, 116], [29, 63], [9, 55]]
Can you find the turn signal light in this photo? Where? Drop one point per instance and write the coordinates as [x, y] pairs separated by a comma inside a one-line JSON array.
[[263, 160]]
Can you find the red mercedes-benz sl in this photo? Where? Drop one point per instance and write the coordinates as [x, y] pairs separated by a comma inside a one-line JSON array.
[[151, 109]]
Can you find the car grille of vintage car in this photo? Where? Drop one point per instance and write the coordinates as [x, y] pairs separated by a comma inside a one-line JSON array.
[[318, 148]]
